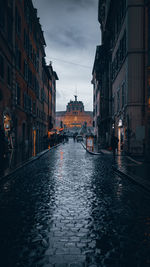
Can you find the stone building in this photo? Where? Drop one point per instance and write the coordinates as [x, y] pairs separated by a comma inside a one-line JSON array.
[[147, 76], [123, 72], [6, 64], [27, 84], [75, 117], [101, 96]]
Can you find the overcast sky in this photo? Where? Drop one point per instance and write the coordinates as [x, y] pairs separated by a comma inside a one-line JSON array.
[[71, 31]]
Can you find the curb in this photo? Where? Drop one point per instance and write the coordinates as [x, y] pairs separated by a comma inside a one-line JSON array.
[[135, 179], [90, 152], [32, 159]]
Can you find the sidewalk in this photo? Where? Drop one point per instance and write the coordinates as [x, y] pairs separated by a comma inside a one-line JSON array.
[[9, 171], [137, 171]]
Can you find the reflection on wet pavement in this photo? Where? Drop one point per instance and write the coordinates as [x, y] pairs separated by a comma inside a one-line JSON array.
[[17, 156], [69, 209]]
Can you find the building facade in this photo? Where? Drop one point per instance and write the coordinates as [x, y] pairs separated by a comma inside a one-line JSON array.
[[123, 37], [6, 64], [102, 96], [27, 84], [75, 117], [147, 76]]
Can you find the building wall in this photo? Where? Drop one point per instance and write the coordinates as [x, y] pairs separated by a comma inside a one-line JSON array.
[[27, 99], [147, 78], [6, 64], [123, 33], [135, 88]]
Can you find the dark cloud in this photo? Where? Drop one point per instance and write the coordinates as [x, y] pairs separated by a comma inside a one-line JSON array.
[[72, 32], [68, 38]]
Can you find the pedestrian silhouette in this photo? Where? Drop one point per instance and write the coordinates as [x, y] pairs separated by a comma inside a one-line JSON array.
[[114, 144], [2, 151]]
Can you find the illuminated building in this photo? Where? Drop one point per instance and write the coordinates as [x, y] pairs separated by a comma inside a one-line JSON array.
[[74, 117]]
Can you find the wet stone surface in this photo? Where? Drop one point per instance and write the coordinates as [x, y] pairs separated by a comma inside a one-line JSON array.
[[69, 209]]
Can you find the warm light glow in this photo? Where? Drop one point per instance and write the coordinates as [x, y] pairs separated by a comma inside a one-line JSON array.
[[71, 120], [61, 129], [50, 133], [34, 142], [120, 123], [7, 122]]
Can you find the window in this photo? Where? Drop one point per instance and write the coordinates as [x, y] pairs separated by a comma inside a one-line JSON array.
[[17, 22], [118, 100], [30, 77], [37, 90], [124, 44], [30, 24], [113, 105], [25, 70], [1, 67], [26, 41], [123, 94], [36, 86], [27, 103], [24, 100], [119, 57], [9, 76], [18, 94], [2, 17], [26, 11], [37, 52], [37, 66], [30, 50], [9, 28], [18, 58], [42, 95]]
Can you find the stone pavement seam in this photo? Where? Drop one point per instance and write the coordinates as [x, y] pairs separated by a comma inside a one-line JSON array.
[[134, 178], [39, 155]]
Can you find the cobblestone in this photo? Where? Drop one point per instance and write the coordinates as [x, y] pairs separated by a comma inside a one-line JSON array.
[[70, 209]]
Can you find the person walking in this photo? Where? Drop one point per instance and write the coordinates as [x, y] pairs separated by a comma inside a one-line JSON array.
[[114, 144]]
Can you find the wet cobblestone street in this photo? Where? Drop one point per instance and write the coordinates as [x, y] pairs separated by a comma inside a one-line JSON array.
[[70, 209]]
